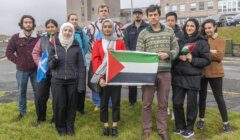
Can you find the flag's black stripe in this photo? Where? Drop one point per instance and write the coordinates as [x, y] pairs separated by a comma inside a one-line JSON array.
[[134, 78]]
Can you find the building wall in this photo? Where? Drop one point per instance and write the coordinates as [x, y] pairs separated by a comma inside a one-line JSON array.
[[203, 8], [87, 10]]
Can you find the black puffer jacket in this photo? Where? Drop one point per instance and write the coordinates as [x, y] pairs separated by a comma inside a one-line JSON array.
[[179, 34], [188, 74], [69, 65]]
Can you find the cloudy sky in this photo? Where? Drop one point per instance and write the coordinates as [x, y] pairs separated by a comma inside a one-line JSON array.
[[12, 10]]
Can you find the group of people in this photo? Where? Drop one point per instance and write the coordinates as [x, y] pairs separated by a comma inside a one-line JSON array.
[[189, 59]]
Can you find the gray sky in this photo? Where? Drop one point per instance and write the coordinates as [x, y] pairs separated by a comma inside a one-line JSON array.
[[12, 10]]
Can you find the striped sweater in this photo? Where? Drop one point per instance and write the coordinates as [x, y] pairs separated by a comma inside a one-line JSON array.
[[156, 41]]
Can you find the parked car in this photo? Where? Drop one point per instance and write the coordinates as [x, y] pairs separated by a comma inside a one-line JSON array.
[[236, 20], [230, 21], [221, 20]]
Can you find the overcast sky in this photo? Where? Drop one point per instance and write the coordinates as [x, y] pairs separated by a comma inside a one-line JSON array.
[[12, 10]]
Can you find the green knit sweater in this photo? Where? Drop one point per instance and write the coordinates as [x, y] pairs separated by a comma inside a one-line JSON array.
[[155, 41]]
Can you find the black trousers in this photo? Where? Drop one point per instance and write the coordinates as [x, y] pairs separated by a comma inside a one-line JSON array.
[[81, 101], [115, 93], [81, 98], [41, 98], [132, 95], [64, 99], [178, 102], [216, 85]]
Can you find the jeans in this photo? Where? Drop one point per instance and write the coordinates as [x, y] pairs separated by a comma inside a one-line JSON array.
[[22, 81], [96, 99]]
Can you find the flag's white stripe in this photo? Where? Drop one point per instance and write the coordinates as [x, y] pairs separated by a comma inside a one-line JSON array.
[[131, 67]]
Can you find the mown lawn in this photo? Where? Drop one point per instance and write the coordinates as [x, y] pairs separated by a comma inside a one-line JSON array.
[[88, 127]]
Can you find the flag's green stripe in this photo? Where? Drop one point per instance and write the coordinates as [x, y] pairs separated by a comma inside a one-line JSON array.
[[135, 57]]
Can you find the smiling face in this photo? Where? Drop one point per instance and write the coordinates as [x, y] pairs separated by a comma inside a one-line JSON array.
[[190, 28], [107, 28], [51, 29], [67, 32], [153, 17], [209, 29]]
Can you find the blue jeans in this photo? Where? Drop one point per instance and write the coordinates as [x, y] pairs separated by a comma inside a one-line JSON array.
[[96, 99], [22, 81]]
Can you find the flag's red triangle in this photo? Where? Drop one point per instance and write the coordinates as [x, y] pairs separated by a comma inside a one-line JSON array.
[[114, 67]]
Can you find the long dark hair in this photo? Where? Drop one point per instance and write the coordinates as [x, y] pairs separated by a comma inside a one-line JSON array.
[[208, 21], [54, 22], [195, 21]]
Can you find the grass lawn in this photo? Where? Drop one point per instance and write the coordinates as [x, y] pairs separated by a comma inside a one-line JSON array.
[[88, 127]]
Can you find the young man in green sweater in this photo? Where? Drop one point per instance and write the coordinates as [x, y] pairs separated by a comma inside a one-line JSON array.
[[159, 39]]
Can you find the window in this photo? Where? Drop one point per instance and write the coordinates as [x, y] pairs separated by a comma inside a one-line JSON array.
[[82, 2], [166, 9], [224, 6], [193, 6], [201, 5], [238, 5], [174, 8], [82, 11], [220, 6], [229, 6], [182, 7], [234, 6], [210, 4]]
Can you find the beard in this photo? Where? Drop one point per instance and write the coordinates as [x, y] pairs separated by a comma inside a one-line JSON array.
[[27, 29]]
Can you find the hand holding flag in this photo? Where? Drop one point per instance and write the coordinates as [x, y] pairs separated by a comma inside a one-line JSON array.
[[187, 48]]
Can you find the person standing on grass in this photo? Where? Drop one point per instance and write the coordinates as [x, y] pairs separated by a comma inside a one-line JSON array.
[[171, 21], [99, 54], [68, 78], [194, 55], [82, 39], [159, 39], [213, 74], [130, 39], [43, 87], [94, 32], [19, 51]]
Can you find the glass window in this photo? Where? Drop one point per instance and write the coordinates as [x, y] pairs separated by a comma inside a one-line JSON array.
[[193, 6], [182, 7], [174, 8], [220, 6], [234, 6], [210, 4], [224, 6], [166, 9], [238, 5], [201, 5]]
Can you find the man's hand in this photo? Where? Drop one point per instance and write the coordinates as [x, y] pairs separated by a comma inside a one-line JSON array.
[[213, 51], [102, 82], [189, 57], [183, 57], [163, 55]]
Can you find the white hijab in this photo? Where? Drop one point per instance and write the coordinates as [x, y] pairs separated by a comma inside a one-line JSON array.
[[66, 42]]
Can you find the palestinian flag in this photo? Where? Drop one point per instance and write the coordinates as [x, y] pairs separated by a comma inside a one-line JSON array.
[[131, 68], [187, 48]]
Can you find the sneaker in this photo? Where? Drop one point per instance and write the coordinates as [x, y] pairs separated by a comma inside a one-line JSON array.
[[178, 131], [114, 131], [226, 127], [187, 134], [96, 109], [168, 112], [200, 124], [173, 118]]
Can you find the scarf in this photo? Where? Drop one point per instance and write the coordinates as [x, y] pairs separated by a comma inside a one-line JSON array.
[[66, 42]]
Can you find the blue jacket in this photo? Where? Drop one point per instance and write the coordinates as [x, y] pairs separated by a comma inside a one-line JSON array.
[[82, 39], [131, 35]]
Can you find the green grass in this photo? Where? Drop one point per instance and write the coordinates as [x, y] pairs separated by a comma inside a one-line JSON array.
[[230, 33], [88, 127]]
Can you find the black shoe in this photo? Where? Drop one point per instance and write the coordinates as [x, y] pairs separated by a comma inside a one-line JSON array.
[[71, 132], [81, 112], [19, 117], [178, 131], [114, 132], [106, 131], [200, 124], [226, 127], [188, 134]]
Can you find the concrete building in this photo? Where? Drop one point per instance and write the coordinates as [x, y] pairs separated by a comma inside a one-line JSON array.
[[87, 10], [200, 8]]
